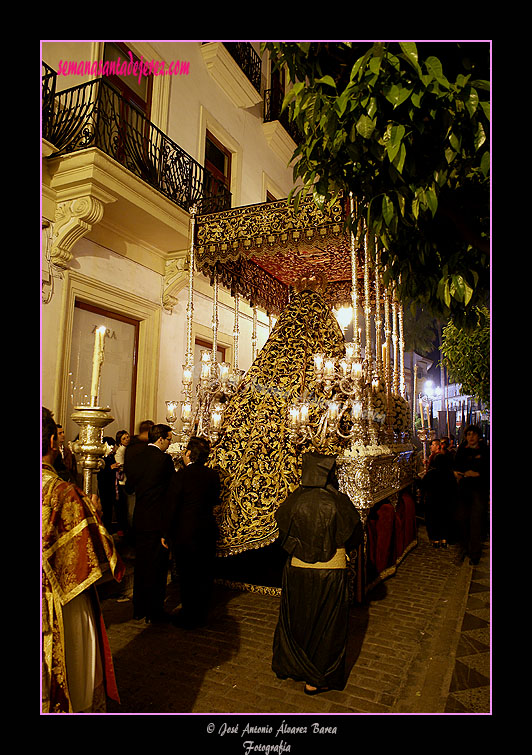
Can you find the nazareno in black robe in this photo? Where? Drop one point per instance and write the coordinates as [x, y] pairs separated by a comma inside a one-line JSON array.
[[314, 521]]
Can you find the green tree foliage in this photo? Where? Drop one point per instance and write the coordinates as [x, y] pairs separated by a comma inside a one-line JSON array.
[[405, 128], [420, 333], [466, 354]]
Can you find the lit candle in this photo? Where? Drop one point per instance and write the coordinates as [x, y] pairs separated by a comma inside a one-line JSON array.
[[294, 416], [188, 371], [375, 385], [318, 363], [97, 361], [304, 414], [428, 417], [357, 409], [332, 410], [186, 411], [344, 366], [225, 368], [216, 419], [421, 412], [328, 368], [356, 370], [344, 315], [171, 407], [349, 350], [205, 371]]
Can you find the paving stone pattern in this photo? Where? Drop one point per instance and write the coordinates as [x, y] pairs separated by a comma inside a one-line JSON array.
[[469, 691]]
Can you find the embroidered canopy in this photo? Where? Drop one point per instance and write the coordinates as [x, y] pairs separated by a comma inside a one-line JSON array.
[[261, 250]]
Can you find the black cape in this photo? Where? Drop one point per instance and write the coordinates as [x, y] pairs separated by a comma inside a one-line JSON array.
[[316, 519], [311, 634]]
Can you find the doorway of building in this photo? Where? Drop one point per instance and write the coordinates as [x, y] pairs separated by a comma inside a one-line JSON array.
[[119, 370]]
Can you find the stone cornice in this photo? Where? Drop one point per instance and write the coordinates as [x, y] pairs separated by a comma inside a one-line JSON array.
[[228, 74], [279, 140]]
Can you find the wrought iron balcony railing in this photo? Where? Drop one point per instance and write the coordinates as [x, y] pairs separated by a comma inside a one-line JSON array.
[[48, 93], [95, 115], [273, 101], [248, 59]]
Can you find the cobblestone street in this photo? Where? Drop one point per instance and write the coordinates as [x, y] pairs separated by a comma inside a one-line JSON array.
[[419, 644]]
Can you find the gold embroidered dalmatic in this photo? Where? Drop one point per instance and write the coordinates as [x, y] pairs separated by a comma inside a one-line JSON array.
[[76, 551]]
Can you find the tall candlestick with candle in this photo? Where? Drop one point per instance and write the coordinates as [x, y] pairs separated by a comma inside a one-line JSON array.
[[97, 361]]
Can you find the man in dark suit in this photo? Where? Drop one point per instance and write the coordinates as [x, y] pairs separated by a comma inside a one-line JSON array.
[[190, 530], [149, 478], [137, 444]]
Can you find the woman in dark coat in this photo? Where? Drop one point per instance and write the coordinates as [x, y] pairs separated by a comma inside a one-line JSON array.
[[439, 485], [471, 469], [317, 525]]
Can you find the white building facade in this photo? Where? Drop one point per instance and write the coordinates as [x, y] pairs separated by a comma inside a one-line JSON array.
[[124, 157]]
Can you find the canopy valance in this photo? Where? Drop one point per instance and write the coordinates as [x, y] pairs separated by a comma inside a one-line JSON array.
[[261, 250]]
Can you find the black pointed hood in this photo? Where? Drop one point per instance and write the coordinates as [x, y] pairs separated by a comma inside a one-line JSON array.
[[316, 470]]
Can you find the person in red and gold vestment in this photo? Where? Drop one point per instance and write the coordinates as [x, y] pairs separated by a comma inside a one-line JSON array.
[[77, 668]]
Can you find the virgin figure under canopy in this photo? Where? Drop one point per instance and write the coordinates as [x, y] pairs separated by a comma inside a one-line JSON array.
[[258, 462]]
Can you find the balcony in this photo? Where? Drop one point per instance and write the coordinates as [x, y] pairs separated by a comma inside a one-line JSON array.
[[273, 101], [94, 115], [281, 135], [48, 92], [248, 60]]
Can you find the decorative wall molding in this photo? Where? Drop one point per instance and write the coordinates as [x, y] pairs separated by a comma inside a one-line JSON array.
[[175, 279], [79, 287], [48, 271], [73, 220]]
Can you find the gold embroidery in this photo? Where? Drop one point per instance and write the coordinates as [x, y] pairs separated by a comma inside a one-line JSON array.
[[274, 592], [257, 462], [76, 550]]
